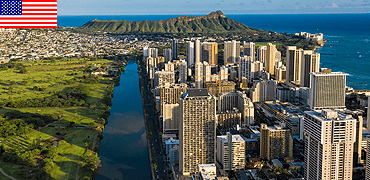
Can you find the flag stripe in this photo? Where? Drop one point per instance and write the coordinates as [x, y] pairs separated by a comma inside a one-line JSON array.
[[46, 3], [39, 0], [25, 26], [24, 23], [38, 5], [41, 10], [27, 18]]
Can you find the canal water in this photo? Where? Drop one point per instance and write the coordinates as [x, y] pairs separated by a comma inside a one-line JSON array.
[[123, 150]]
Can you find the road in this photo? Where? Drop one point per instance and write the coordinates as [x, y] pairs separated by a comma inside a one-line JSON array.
[[156, 140]]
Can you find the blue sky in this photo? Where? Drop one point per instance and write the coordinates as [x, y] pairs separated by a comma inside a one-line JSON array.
[[188, 7]]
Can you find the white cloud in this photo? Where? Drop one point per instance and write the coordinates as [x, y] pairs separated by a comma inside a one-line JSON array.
[[332, 6]]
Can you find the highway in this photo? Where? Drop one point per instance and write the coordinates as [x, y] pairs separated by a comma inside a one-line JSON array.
[[156, 141]]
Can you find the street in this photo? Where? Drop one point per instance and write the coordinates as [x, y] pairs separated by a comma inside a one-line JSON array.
[[156, 140]]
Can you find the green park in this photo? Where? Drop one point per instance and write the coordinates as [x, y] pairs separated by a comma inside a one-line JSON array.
[[52, 114]]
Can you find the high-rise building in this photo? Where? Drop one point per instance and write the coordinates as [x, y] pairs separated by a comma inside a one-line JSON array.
[[256, 71], [263, 90], [210, 52], [270, 58], [227, 102], [169, 106], [183, 71], [261, 54], [163, 77], [368, 113], [167, 54], [153, 52], [171, 118], [310, 63], [198, 75], [231, 52], [249, 69], [367, 172], [175, 44], [197, 50], [250, 50], [280, 74], [277, 57], [293, 64], [169, 66], [197, 130], [276, 142], [329, 141], [190, 53], [328, 90], [224, 73], [231, 151], [170, 94], [155, 62], [207, 72], [245, 67]]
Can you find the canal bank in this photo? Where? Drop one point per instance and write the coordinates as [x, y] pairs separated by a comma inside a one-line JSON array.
[[124, 148]]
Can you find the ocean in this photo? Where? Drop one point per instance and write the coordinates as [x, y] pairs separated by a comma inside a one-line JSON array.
[[347, 35]]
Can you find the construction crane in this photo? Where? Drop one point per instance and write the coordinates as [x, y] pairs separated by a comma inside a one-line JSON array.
[[218, 82]]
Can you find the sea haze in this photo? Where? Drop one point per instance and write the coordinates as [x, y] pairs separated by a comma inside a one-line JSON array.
[[348, 35]]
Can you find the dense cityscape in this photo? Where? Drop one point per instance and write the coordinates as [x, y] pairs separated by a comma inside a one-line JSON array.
[[215, 107], [256, 115]]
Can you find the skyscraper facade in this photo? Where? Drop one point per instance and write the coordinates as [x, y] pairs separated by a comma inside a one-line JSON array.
[[261, 54], [328, 90], [198, 75], [190, 53], [183, 71], [293, 64], [329, 141], [310, 63], [231, 52], [175, 53], [197, 50], [276, 142], [367, 172], [231, 151], [210, 52], [167, 54], [197, 130], [250, 50], [270, 58], [207, 72]]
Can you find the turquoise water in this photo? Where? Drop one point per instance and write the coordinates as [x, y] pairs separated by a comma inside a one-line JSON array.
[[123, 149]]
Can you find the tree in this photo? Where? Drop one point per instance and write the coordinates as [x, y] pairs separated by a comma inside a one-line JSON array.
[[92, 162], [23, 71]]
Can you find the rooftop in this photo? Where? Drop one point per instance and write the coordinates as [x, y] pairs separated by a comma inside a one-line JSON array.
[[207, 171], [235, 138], [197, 92], [328, 115], [329, 74]]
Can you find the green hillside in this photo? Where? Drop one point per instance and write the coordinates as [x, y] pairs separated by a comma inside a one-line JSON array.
[[215, 22]]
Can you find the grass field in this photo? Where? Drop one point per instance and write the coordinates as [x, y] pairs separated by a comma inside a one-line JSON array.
[[73, 144]]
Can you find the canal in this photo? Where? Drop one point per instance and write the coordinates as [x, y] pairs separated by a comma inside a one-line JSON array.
[[123, 150]]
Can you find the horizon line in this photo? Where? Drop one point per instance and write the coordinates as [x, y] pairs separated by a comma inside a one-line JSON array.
[[208, 13]]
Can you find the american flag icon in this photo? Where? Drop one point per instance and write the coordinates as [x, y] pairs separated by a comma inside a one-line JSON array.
[[28, 13]]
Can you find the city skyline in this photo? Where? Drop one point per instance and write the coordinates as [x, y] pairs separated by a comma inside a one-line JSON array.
[[163, 7]]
